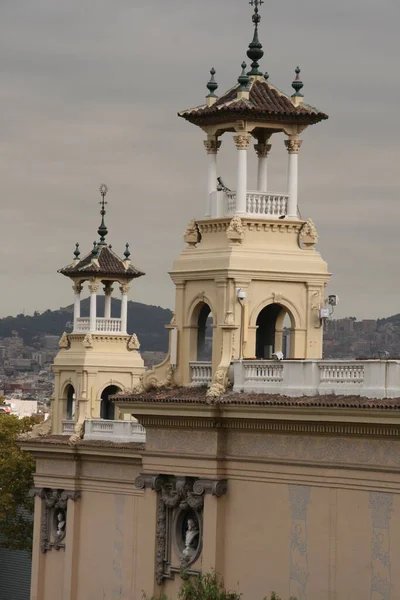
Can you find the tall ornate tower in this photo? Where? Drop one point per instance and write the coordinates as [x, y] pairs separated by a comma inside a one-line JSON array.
[[98, 358], [251, 261]]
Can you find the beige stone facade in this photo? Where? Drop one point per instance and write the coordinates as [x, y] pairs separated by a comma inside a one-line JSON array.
[[311, 506]]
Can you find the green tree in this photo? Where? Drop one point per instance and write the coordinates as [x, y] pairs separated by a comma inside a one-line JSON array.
[[205, 587], [16, 479]]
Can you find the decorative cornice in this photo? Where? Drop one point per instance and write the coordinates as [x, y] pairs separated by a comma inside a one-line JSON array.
[[271, 426]]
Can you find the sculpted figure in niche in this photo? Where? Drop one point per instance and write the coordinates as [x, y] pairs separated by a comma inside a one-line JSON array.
[[60, 525], [191, 542]]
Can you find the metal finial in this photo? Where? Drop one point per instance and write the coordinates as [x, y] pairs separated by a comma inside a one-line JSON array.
[[266, 75], [127, 251], [243, 78], [212, 85], [94, 250], [77, 252], [102, 230], [297, 84], [255, 51]]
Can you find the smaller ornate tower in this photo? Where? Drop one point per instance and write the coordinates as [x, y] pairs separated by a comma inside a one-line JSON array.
[[98, 358]]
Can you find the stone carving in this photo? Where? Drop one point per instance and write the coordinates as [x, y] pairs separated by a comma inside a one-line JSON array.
[[93, 287], [77, 288], [180, 507], [88, 341], [299, 496], [235, 231], [381, 579], [262, 149], [41, 429], [242, 141], [133, 342], [308, 234], [64, 341], [192, 235], [124, 289], [191, 543], [79, 432], [54, 515], [293, 146], [219, 384], [212, 146]]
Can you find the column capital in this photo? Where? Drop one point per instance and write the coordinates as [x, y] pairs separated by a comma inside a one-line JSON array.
[[242, 141], [124, 289], [93, 288], [262, 149], [293, 145], [212, 146], [108, 289], [77, 288]]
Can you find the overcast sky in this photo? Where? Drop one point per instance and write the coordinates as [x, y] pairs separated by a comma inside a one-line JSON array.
[[89, 92]]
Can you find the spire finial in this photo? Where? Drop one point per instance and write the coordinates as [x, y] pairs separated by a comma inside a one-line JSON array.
[[212, 85], [297, 84], [243, 78], [127, 252], [77, 252], [102, 230], [255, 51]]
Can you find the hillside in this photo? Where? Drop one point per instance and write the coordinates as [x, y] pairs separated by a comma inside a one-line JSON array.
[[148, 322]]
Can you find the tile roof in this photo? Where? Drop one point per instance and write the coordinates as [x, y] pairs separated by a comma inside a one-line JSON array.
[[193, 395], [265, 103], [109, 264]]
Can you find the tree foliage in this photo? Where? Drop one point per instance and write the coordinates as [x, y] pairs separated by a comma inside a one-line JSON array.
[[16, 479]]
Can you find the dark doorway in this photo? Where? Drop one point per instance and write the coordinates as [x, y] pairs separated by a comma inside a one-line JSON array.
[[107, 408], [266, 330], [70, 402], [204, 334]]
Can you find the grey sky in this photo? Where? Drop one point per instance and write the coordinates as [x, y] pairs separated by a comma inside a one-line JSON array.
[[89, 92]]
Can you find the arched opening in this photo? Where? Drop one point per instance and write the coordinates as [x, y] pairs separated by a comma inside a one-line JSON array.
[[107, 408], [70, 396], [204, 333], [274, 326]]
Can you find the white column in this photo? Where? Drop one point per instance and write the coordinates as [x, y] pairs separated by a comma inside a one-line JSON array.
[[77, 304], [124, 308], [262, 150], [293, 145], [108, 290], [93, 288], [212, 146], [242, 142]]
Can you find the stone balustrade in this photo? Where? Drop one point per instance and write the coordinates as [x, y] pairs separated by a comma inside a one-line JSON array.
[[201, 373], [114, 431], [102, 325], [261, 204], [68, 427], [369, 378]]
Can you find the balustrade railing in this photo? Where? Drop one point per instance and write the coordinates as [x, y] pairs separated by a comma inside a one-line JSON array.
[[370, 378], [68, 427], [263, 204], [200, 373], [114, 431], [102, 325]]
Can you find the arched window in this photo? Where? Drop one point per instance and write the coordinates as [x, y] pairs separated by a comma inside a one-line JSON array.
[[107, 408], [274, 325], [204, 333], [70, 396]]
